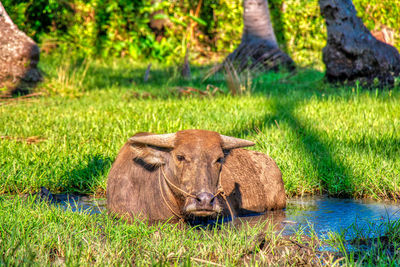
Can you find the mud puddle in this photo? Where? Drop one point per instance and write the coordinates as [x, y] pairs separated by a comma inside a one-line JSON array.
[[321, 215], [352, 217]]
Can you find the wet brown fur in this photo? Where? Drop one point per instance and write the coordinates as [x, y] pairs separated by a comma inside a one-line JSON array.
[[251, 180]]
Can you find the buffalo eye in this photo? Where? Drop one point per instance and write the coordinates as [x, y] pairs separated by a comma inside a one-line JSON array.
[[220, 160], [180, 158]]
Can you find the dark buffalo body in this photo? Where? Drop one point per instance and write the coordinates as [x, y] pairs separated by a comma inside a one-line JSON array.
[[185, 174]]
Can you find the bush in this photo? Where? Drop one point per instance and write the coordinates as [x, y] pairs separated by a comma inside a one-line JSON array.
[[122, 28]]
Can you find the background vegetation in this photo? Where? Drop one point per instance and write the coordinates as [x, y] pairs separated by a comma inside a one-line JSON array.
[[122, 28]]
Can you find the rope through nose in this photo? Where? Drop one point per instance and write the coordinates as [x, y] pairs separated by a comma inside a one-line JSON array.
[[165, 201], [220, 192], [174, 186]]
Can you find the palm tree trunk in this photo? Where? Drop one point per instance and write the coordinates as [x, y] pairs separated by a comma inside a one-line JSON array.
[[352, 53], [19, 56], [259, 47], [257, 22]]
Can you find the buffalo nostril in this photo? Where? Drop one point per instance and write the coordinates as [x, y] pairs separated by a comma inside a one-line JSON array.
[[204, 199], [212, 200]]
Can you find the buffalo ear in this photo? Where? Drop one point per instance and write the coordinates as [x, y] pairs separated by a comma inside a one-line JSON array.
[[152, 149], [229, 142], [149, 155]]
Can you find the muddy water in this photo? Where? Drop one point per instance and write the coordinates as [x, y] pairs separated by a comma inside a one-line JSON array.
[[365, 217], [78, 203], [322, 214]]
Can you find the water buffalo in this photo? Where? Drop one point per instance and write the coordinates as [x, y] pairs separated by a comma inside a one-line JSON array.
[[190, 174]]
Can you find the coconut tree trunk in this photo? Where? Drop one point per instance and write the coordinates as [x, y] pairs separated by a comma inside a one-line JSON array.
[[258, 47], [257, 23], [352, 53], [157, 25], [19, 56]]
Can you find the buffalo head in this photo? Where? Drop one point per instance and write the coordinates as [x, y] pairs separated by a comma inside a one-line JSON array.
[[191, 160]]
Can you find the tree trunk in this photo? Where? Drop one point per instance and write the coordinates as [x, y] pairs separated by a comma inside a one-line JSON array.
[[157, 25], [19, 56], [352, 53], [258, 47]]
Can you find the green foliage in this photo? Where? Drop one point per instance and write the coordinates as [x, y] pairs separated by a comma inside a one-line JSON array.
[[123, 28], [300, 29], [37, 17]]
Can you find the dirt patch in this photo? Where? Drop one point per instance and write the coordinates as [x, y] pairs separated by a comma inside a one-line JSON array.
[[291, 250], [28, 140], [7, 99]]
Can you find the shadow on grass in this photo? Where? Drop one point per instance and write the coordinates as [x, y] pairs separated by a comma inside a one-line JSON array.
[[124, 74], [286, 96], [86, 177], [335, 177]]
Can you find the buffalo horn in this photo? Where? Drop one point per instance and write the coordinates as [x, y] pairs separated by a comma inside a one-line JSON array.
[[158, 140], [229, 142]]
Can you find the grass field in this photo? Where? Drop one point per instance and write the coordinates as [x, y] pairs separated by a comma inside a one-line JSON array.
[[340, 141], [38, 234]]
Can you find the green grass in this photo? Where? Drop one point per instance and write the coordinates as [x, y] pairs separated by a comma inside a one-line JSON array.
[[34, 233], [369, 246], [341, 141]]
